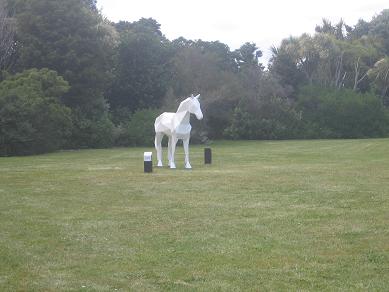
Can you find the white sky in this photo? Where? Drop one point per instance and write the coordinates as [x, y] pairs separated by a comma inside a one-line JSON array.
[[265, 23]]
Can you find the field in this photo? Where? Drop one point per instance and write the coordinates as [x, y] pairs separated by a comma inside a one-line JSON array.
[[283, 215]]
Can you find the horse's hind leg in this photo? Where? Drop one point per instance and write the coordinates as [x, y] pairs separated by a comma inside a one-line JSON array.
[[158, 147], [169, 149], [173, 143], [186, 150]]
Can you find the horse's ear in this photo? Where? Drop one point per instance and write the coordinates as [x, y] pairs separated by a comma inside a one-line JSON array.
[[191, 96], [197, 96]]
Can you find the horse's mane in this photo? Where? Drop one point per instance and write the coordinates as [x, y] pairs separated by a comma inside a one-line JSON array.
[[182, 104]]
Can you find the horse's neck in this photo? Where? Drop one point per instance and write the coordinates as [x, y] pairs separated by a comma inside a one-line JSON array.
[[182, 115]]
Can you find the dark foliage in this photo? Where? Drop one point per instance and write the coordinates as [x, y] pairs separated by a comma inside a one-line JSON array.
[[32, 118], [331, 113]]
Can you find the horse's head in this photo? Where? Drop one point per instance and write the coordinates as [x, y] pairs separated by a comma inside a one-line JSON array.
[[194, 107]]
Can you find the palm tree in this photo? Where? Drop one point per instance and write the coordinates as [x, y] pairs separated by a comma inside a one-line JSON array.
[[380, 75]]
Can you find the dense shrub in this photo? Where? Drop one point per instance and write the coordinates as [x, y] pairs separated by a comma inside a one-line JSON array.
[[341, 113], [267, 118], [139, 130], [91, 131], [32, 118]]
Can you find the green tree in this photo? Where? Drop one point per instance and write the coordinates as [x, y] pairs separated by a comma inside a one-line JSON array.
[[300, 58], [340, 30], [360, 30], [209, 68], [379, 27], [73, 39], [360, 55], [342, 63], [32, 117], [218, 104], [7, 37], [198, 66], [142, 66], [325, 59], [248, 55], [282, 65]]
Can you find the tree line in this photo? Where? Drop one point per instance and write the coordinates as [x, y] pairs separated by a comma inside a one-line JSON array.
[[70, 78]]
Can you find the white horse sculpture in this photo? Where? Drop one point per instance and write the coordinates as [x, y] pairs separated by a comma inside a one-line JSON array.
[[176, 126]]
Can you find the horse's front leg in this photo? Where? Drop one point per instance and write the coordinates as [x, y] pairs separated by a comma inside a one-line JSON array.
[[158, 147], [185, 142], [173, 143]]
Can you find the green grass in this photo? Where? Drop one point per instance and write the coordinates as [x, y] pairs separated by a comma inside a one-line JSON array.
[[286, 215]]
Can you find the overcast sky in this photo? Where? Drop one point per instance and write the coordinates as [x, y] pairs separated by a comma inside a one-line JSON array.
[[265, 23]]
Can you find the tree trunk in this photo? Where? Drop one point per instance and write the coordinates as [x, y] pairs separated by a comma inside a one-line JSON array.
[[357, 80], [338, 73]]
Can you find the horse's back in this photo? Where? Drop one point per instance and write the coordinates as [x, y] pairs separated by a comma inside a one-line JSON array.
[[163, 123]]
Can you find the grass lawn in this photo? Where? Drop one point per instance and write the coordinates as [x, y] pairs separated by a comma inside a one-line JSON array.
[[283, 215]]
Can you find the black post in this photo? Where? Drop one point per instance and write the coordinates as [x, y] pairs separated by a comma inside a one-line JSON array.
[[148, 162], [207, 155]]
